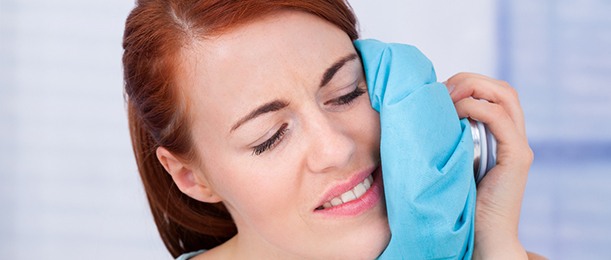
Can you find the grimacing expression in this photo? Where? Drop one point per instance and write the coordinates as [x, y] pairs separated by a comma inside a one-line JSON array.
[[287, 138]]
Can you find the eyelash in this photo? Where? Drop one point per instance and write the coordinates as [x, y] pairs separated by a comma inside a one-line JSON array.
[[272, 141], [346, 99]]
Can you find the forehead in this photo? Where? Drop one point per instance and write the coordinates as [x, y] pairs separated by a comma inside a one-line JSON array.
[[282, 40], [224, 76]]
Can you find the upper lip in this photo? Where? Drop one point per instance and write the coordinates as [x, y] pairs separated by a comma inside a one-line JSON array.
[[336, 190]]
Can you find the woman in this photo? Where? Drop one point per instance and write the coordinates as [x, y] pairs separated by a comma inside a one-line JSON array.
[[250, 122]]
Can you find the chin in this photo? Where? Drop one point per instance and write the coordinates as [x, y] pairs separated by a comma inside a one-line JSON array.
[[366, 244], [375, 248]]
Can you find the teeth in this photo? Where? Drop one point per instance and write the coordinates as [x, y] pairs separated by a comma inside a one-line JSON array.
[[350, 195], [367, 182], [359, 190], [336, 201]]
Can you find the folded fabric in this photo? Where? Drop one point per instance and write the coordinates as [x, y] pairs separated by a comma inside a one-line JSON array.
[[426, 153]]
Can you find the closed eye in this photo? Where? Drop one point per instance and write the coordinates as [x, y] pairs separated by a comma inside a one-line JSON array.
[[346, 99], [271, 142]]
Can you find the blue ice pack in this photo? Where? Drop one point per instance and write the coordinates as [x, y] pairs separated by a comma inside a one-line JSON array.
[[426, 154]]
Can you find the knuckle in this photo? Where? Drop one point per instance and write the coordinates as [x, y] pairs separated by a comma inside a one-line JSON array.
[[525, 155], [512, 92], [527, 159], [505, 84], [458, 77], [498, 111], [469, 82], [461, 74], [529, 155]]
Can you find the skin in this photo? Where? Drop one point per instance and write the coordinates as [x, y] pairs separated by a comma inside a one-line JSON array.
[[272, 195], [499, 194]]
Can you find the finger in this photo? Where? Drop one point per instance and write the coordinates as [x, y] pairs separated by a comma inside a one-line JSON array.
[[480, 87], [512, 145], [462, 75], [490, 89], [493, 115]]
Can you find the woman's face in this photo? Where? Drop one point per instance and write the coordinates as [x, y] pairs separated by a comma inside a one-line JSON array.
[[287, 137]]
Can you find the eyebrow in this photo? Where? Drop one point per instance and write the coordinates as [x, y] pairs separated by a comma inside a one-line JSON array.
[[279, 104], [265, 108], [330, 72]]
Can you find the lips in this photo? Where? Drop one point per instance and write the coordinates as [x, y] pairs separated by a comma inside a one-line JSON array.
[[355, 193], [362, 192]]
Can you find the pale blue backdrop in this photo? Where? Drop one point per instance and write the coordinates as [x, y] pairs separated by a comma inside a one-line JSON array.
[[68, 183]]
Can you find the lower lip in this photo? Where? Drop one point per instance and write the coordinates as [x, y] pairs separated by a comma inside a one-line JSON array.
[[367, 201]]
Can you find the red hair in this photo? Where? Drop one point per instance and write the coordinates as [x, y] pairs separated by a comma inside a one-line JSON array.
[[155, 32]]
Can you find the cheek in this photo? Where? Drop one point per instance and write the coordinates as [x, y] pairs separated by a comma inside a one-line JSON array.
[[255, 192], [366, 122]]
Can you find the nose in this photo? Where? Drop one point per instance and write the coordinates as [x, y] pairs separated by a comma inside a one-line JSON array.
[[331, 146]]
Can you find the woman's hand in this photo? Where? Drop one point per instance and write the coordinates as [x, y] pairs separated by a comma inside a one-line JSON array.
[[499, 194]]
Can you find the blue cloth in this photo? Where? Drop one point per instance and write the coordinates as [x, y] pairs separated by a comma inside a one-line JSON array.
[[427, 155]]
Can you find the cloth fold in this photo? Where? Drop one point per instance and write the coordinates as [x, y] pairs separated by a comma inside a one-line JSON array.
[[426, 154]]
